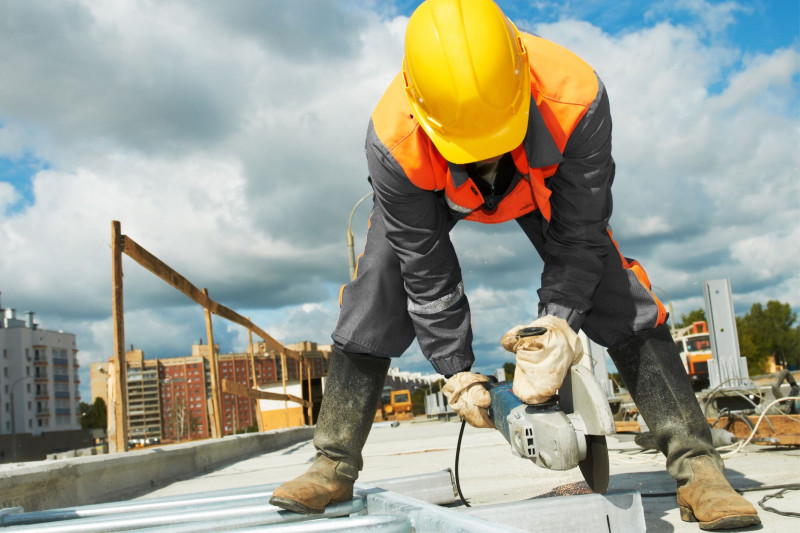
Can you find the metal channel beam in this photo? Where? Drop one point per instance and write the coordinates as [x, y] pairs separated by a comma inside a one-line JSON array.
[[151, 505], [358, 524], [612, 512], [373, 509], [425, 517], [213, 509], [438, 488], [190, 519]]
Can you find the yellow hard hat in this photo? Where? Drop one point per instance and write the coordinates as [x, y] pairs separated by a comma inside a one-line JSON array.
[[467, 78]]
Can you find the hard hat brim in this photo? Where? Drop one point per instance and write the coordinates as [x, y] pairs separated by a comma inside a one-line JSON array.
[[461, 150]]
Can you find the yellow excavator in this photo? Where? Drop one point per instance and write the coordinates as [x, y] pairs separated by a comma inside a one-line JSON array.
[[395, 405]]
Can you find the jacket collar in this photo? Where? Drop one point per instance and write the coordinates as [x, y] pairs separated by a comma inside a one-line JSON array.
[[540, 148]]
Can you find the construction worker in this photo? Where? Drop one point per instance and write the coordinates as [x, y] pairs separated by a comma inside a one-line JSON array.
[[488, 124]]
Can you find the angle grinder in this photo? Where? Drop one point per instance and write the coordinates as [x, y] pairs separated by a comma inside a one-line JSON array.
[[566, 431]]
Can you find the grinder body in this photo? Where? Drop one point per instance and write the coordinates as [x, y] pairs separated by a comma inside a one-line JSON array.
[[541, 433], [562, 433]]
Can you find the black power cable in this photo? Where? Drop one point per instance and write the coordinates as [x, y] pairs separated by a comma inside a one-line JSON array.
[[458, 452], [778, 494]]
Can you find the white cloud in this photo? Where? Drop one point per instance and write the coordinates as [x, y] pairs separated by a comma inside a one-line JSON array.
[[228, 140], [8, 196]]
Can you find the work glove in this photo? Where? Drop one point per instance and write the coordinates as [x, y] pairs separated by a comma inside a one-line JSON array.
[[544, 360], [469, 398]]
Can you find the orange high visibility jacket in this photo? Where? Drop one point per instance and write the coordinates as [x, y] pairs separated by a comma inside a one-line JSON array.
[[561, 102], [564, 170]]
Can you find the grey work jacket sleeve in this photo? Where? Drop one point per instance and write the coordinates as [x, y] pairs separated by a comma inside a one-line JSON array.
[[576, 240], [417, 228]]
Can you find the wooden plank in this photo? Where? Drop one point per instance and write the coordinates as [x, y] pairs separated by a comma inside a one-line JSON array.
[[166, 273], [231, 387], [627, 426], [784, 428]]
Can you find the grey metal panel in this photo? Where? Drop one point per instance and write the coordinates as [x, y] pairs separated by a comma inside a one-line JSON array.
[[438, 488], [427, 518], [612, 512], [727, 367]]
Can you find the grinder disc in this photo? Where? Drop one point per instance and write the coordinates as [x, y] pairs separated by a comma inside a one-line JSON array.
[[595, 467]]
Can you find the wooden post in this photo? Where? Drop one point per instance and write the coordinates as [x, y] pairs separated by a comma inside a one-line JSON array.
[[252, 357], [256, 406], [118, 429], [300, 376], [283, 379], [212, 363], [310, 399]]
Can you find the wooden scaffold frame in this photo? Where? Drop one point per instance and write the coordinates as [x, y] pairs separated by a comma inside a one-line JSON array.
[[117, 405]]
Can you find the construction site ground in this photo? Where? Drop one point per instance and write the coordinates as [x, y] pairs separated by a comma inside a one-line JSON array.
[[490, 474]]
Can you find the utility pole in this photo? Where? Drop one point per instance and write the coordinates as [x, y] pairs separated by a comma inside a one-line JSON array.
[[14, 422], [118, 407]]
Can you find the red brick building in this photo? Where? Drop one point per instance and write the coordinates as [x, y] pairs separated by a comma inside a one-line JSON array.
[[181, 389]]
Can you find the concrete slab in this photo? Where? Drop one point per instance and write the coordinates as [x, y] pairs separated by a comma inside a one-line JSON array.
[[490, 474]]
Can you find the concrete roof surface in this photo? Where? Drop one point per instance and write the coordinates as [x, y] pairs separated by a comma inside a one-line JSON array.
[[489, 473]]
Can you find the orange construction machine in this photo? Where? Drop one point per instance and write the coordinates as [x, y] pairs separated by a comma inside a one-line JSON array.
[[694, 346], [395, 405]]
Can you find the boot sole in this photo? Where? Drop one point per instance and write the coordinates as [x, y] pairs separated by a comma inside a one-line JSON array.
[[294, 506], [726, 522]]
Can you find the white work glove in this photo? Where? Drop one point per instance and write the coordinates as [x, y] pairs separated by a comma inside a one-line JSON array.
[[542, 361], [469, 398]]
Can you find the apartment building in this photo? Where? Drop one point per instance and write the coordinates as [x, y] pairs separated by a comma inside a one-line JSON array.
[[185, 389], [169, 399], [144, 398], [38, 377]]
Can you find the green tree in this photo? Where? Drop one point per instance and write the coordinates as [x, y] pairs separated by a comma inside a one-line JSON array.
[[698, 315], [766, 331], [93, 416], [509, 369]]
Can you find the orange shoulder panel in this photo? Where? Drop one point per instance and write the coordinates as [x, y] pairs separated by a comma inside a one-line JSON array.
[[402, 135], [563, 85]]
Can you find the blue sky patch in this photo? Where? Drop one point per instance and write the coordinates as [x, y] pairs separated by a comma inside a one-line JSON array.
[[19, 173]]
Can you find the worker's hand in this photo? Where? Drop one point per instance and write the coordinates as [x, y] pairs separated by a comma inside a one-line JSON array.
[[544, 360], [469, 398]]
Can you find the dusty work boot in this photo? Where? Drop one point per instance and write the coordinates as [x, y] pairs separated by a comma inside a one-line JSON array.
[[709, 499], [651, 368], [352, 391]]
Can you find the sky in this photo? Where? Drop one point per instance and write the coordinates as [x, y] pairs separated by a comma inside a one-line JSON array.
[[228, 140]]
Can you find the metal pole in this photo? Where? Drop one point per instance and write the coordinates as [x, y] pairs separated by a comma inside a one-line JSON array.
[[351, 254]]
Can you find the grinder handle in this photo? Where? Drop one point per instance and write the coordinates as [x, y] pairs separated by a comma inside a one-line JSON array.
[[531, 331]]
